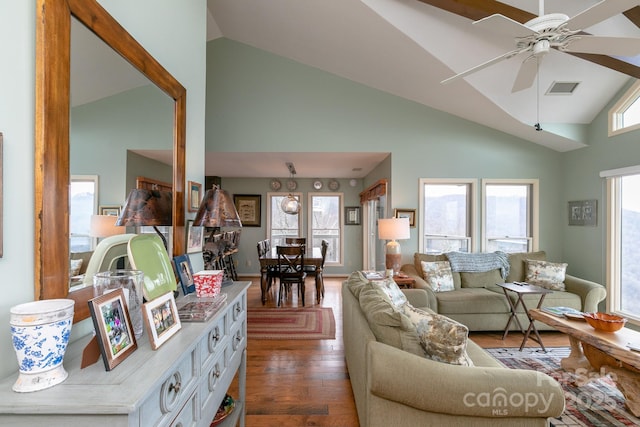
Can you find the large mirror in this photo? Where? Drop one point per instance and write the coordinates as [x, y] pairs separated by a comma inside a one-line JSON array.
[[52, 148]]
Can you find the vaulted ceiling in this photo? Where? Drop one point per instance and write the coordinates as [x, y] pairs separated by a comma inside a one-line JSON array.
[[407, 47]]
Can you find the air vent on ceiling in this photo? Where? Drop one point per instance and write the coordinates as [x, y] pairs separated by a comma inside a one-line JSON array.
[[562, 88]]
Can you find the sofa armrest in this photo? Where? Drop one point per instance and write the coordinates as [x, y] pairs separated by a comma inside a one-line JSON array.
[[410, 270], [418, 298], [424, 384], [591, 293]]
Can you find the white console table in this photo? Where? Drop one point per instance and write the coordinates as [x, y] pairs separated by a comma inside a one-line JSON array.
[[180, 384]]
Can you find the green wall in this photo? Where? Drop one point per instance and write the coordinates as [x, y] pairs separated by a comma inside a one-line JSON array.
[[258, 102]]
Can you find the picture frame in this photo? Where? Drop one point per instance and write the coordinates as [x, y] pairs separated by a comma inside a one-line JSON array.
[[406, 213], [195, 196], [109, 210], [583, 212], [352, 215], [248, 207], [112, 324], [162, 319], [195, 238], [184, 271]]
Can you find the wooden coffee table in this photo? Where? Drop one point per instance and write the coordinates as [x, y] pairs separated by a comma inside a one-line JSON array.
[[595, 351]]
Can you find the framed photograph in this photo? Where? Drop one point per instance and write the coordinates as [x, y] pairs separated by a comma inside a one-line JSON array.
[[583, 212], [248, 207], [195, 195], [352, 215], [407, 213], [109, 210], [182, 264], [161, 318], [114, 332], [195, 238]]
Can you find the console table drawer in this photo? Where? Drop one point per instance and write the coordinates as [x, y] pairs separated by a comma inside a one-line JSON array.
[[171, 395], [214, 388], [215, 340], [188, 415]]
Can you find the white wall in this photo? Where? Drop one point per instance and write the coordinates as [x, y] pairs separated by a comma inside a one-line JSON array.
[[174, 32]]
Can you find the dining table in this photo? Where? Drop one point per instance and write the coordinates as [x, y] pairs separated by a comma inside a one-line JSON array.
[[270, 259]]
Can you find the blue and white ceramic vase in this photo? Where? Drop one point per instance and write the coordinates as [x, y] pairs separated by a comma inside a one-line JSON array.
[[40, 332]]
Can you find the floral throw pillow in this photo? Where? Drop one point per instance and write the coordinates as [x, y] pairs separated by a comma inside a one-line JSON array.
[[548, 275], [443, 339], [438, 275], [391, 289], [74, 267]]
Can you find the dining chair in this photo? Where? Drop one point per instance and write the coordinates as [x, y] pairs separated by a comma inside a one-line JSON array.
[[317, 272], [291, 270], [264, 248], [295, 240]]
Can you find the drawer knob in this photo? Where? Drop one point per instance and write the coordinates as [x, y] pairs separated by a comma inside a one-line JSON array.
[[175, 387], [216, 337]]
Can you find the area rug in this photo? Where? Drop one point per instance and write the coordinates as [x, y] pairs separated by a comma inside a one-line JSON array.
[[594, 403], [313, 323]]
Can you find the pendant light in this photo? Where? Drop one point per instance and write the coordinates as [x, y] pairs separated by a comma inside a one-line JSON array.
[[290, 204]]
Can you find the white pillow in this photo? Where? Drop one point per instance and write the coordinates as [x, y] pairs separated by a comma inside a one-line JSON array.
[[443, 339], [391, 289], [548, 275], [438, 275], [74, 267]]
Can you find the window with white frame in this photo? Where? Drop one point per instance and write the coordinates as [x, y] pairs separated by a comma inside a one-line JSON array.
[[509, 215], [280, 224], [448, 207], [83, 202], [623, 234], [624, 116], [325, 223]]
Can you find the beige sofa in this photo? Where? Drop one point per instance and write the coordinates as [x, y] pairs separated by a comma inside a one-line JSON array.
[[393, 387], [481, 305]]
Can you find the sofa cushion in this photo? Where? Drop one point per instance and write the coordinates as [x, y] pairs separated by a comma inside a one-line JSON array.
[[485, 279], [390, 288], [548, 275], [472, 301], [356, 282], [417, 262], [517, 265], [389, 324], [443, 339], [438, 275]]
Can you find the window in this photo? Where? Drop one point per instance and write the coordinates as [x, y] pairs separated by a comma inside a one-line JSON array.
[[509, 212], [623, 233], [325, 223], [448, 207], [83, 202], [624, 116], [281, 224]]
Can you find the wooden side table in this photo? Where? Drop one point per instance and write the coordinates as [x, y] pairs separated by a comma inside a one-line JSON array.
[[404, 281], [521, 289]]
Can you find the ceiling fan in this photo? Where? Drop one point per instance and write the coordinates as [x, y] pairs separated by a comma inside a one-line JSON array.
[[555, 30]]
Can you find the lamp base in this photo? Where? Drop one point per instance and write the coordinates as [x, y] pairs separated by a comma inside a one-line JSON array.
[[393, 258]]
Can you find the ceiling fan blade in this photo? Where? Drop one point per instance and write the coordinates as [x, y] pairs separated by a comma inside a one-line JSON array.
[[495, 60], [504, 26], [599, 12], [526, 74], [604, 45]]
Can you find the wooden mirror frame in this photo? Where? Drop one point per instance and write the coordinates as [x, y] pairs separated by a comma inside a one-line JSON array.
[[52, 165]]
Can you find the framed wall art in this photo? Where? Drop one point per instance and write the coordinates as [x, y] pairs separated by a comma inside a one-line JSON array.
[[407, 213], [109, 210], [583, 212], [195, 237], [352, 215], [113, 328], [195, 194], [161, 318], [248, 207]]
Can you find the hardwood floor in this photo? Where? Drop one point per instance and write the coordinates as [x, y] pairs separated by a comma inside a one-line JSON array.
[[305, 382]]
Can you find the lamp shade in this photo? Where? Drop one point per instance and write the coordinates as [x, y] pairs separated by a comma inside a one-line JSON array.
[[146, 207], [104, 226], [217, 210], [393, 228]]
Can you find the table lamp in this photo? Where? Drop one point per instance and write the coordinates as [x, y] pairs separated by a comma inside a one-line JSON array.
[[104, 226], [147, 208], [217, 210], [393, 229]]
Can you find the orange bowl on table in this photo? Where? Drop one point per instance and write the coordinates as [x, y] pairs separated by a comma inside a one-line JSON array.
[[605, 322]]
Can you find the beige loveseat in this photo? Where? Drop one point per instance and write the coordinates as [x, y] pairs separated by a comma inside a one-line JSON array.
[[479, 304], [393, 387]]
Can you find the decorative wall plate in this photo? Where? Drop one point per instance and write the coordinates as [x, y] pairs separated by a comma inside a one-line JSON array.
[[317, 184], [292, 185], [334, 185], [275, 184]]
